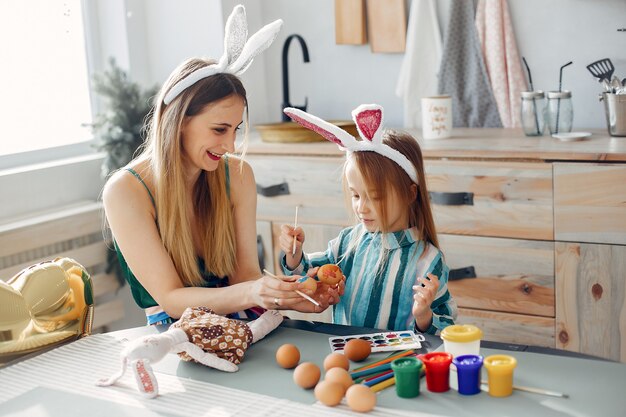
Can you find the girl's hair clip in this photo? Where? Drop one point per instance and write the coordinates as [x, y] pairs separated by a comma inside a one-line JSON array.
[[369, 123], [239, 51]]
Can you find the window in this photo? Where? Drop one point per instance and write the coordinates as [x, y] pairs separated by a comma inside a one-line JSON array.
[[45, 99]]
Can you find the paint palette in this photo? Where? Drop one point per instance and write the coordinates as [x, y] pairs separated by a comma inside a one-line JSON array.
[[381, 342]]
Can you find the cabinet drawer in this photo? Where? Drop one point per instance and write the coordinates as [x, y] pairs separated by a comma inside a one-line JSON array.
[[508, 199], [515, 276], [590, 203], [314, 183], [511, 328]]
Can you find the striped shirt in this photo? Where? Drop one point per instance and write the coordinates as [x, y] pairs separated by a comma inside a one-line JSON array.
[[383, 299]]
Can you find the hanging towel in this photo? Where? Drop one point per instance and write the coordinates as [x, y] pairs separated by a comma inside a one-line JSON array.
[[462, 73], [418, 73], [502, 60]]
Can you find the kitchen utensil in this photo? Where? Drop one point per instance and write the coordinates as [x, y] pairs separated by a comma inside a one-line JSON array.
[[616, 84], [602, 69], [350, 22], [386, 25]]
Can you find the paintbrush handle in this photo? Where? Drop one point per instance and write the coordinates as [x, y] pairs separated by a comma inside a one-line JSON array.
[[540, 391], [300, 293]]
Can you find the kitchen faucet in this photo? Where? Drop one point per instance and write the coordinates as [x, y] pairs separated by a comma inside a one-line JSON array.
[[305, 54]]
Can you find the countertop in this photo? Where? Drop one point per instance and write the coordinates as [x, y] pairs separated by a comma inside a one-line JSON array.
[[481, 144]]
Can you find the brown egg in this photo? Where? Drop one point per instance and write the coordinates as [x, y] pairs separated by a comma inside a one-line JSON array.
[[306, 375], [357, 350], [361, 398], [288, 356], [339, 375], [329, 393], [309, 284], [336, 360], [329, 274]]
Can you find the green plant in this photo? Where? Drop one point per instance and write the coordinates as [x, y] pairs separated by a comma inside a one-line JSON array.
[[119, 129]]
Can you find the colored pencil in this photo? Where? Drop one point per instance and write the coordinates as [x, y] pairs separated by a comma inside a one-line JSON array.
[[300, 293], [370, 377], [385, 384], [386, 360], [369, 371], [378, 380]]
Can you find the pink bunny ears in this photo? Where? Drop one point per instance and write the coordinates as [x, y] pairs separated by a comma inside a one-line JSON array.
[[369, 122], [239, 51]]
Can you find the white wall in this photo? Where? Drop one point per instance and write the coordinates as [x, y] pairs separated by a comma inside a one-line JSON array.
[[339, 77]]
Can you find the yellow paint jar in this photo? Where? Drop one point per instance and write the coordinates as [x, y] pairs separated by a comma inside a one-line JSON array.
[[500, 372]]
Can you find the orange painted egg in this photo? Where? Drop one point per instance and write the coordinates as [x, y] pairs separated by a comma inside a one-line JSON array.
[[329, 274]]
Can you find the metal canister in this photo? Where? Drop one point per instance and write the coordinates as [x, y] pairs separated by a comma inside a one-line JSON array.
[[615, 109]]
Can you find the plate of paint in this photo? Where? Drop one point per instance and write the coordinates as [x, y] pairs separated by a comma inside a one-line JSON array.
[[381, 342]]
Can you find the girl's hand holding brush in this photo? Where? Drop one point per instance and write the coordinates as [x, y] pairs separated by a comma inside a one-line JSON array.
[[291, 237]]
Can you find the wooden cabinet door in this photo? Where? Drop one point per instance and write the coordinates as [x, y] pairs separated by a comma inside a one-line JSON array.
[[591, 299], [316, 240], [514, 276], [313, 183], [590, 203], [512, 296], [501, 199]]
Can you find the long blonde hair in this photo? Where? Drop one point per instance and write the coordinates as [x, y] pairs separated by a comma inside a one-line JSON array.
[[211, 204], [387, 178]]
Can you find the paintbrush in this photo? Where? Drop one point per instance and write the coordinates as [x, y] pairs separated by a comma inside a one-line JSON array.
[[295, 224], [300, 293]]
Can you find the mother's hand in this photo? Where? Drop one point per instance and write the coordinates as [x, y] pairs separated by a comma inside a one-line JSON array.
[[274, 294]]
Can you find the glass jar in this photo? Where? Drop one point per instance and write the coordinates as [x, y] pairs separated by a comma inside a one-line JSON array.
[[533, 112], [560, 112]]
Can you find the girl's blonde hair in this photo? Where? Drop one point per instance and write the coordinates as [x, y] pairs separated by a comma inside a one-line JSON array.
[[386, 178], [210, 200]]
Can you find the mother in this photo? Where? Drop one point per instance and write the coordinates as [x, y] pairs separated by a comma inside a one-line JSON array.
[[183, 213]]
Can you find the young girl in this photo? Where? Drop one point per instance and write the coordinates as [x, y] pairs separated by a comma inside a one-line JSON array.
[[396, 277]]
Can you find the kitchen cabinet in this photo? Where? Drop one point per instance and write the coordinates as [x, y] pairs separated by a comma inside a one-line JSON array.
[[533, 229]]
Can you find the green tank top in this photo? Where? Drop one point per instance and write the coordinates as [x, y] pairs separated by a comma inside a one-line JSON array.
[[141, 296]]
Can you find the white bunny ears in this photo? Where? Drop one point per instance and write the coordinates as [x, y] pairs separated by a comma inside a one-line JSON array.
[[239, 51], [369, 122]]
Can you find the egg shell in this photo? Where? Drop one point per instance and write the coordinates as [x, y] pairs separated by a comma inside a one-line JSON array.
[[339, 375], [336, 360], [306, 375], [329, 393], [357, 350], [361, 398], [329, 274], [288, 356]]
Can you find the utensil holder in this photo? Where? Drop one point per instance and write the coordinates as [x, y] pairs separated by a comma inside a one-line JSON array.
[[615, 109]]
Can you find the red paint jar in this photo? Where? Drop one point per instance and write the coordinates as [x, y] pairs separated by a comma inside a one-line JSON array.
[[437, 370]]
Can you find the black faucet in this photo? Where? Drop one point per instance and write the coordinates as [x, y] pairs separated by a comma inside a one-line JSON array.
[[305, 54]]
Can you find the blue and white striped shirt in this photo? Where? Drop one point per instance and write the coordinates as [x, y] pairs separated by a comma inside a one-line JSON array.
[[383, 300]]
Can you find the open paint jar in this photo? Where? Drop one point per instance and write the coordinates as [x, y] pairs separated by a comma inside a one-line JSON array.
[[468, 370], [461, 339], [437, 371], [407, 373], [500, 372]]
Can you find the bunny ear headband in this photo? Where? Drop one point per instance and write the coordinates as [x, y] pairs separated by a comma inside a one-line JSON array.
[[369, 122], [239, 51]]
